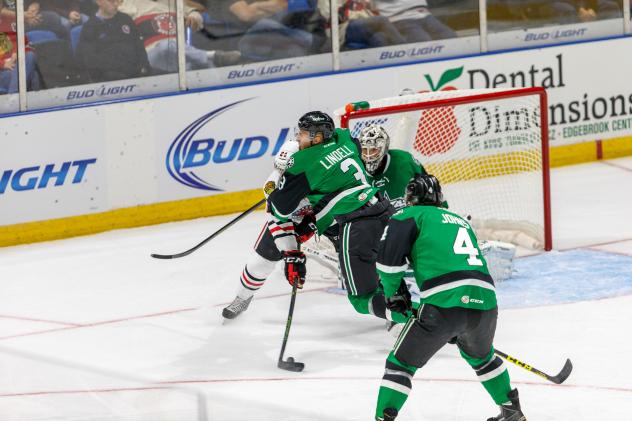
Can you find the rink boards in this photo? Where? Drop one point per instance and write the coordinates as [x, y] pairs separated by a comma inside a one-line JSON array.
[[94, 168]]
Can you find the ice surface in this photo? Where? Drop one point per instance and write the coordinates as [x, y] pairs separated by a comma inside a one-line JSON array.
[[101, 301]]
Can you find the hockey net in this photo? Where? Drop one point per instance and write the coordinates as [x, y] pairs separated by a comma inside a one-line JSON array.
[[488, 148]]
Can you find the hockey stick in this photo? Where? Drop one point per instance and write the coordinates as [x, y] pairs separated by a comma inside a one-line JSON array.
[[210, 237], [557, 379], [323, 257], [289, 364]]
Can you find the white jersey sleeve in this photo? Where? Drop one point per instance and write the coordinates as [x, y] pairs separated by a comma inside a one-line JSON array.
[[284, 155], [280, 164]]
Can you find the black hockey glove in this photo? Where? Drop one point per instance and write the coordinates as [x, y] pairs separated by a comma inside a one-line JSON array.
[[306, 229], [295, 267], [400, 302]]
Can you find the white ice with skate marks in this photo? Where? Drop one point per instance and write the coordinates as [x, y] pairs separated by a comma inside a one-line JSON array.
[[101, 301]]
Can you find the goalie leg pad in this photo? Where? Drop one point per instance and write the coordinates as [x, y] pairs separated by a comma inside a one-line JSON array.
[[499, 257]]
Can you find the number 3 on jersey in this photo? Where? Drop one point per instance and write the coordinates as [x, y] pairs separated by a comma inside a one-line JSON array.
[[463, 245], [359, 174]]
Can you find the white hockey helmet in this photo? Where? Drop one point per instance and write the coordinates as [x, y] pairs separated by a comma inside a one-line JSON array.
[[374, 141]]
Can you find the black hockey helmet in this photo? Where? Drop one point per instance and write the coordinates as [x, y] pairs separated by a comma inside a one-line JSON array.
[[424, 189], [315, 122]]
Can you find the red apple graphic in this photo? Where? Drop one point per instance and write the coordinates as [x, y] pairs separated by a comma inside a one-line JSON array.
[[437, 129]]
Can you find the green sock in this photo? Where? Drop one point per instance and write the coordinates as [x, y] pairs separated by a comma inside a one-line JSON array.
[[396, 385], [493, 374]]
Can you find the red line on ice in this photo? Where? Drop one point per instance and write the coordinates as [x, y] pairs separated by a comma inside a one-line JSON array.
[[166, 384], [143, 316], [612, 164], [30, 319]]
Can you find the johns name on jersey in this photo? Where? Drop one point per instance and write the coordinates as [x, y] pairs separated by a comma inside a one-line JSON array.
[[451, 219]]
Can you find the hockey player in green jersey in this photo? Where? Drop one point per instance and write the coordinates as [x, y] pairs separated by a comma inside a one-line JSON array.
[[328, 170], [389, 170], [458, 299]]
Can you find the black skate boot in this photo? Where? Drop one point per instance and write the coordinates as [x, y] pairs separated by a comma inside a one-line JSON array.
[[512, 411], [235, 308], [389, 415]]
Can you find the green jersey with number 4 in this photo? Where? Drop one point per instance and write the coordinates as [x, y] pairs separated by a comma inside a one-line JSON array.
[[399, 168], [331, 176], [443, 251]]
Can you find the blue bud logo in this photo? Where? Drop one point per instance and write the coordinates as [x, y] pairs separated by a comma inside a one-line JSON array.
[[193, 154], [186, 154]]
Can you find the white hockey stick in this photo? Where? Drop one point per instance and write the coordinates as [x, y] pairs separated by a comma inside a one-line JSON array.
[[323, 257]]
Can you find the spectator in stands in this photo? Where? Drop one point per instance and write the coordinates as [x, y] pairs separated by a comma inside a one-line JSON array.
[[7, 10], [533, 13], [227, 22], [9, 61], [156, 22], [589, 10], [413, 20], [35, 19], [361, 26], [282, 28], [68, 10], [110, 47]]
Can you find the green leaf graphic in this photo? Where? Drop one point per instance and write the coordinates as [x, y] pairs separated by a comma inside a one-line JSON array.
[[429, 79], [448, 76]]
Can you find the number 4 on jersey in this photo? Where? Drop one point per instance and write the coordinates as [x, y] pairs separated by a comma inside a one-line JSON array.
[[463, 245]]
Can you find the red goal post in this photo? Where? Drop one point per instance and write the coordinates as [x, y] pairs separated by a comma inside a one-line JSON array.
[[489, 149]]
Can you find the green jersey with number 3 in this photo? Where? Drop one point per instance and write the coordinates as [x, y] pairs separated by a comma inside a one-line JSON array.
[[332, 177], [443, 251]]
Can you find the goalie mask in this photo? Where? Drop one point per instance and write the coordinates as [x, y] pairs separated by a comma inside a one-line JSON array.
[[424, 189], [374, 141], [316, 122]]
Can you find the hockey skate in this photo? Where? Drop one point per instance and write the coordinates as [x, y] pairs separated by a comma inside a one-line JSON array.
[[234, 309], [389, 415], [512, 411]]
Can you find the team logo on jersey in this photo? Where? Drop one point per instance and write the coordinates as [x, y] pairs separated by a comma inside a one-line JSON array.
[[269, 187], [381, 182], [290, 162], [164, 24], [398, 202], [6, 45], [125, 29]]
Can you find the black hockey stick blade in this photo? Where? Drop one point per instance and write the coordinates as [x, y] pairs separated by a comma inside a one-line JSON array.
[[291, 365], [557, 379], [563, 374], [210, 237]]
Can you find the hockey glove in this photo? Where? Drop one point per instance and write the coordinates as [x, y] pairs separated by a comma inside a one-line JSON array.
[[306, 228], [295, 267], [400, 302]]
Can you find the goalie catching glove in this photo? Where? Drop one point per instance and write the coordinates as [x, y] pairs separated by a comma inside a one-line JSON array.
[[400, 302], [295, 269]]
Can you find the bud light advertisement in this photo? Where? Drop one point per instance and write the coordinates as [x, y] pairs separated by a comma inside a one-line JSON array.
[[228, 148]]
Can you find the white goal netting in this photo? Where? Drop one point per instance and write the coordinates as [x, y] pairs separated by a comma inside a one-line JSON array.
[[488, 148]]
